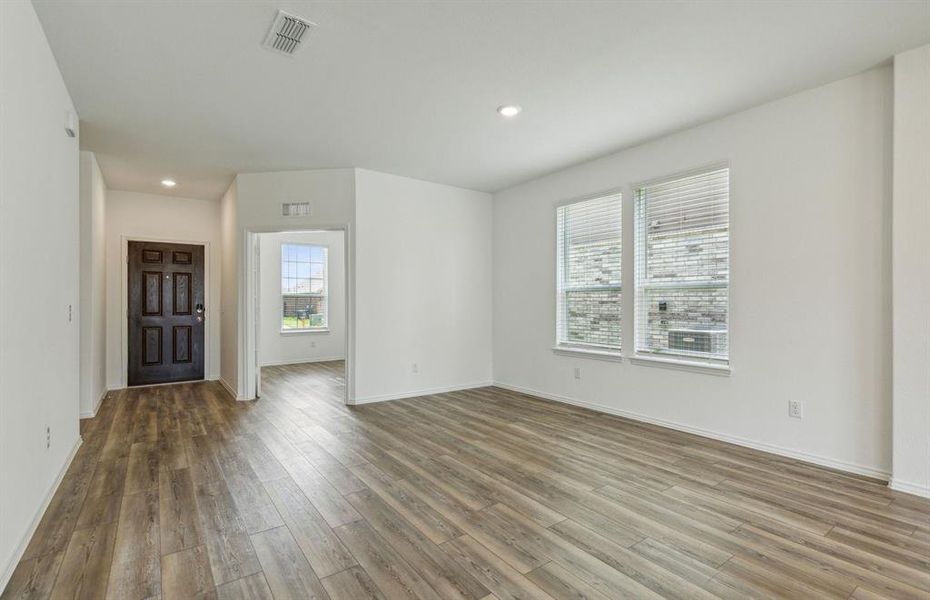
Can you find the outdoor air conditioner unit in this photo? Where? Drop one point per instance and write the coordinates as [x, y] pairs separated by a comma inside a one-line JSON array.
[[705, 341]]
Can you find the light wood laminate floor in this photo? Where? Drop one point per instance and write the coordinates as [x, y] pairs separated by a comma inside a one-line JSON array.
[[180, 492]]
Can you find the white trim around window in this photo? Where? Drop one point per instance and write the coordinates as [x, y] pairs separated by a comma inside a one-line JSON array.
[[647, 360], [588, 352]]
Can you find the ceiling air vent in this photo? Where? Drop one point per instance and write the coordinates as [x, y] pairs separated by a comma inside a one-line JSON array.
[[295, 209], [287, 32]]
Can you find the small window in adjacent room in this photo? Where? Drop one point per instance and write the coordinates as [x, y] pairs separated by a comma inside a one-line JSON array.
[[589, 282], [303, 287], [682, 247]]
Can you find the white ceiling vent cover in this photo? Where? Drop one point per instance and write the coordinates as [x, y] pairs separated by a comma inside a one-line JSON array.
[[286, 33], [295, 209]]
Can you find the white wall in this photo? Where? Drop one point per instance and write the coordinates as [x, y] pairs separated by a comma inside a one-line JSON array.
[[93, 285], [255, 206], [229, 290], [283, 348], [131, 215], [423, 276], [912, 271], [810, 303], [39, 347]]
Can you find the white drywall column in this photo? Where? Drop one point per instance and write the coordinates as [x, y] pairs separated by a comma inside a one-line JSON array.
[[423, 308], [911, 272], [229, 290], [93, 285]]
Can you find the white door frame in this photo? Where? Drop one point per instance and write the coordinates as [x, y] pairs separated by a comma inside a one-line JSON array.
[[211, 312], [247, 335]]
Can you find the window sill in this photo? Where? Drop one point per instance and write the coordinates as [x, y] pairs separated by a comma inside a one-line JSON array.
[[611, 355], [681, 365], [300, 331]]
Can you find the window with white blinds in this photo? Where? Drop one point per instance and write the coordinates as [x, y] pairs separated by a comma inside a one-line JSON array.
[[682, 248], [589, 284]]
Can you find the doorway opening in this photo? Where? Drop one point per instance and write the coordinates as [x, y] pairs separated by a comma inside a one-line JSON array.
[[298, 292]]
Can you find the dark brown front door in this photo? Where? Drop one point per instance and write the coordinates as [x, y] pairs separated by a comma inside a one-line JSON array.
[[166, 312]]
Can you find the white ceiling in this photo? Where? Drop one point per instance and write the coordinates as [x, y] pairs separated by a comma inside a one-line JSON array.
[[184, 89]]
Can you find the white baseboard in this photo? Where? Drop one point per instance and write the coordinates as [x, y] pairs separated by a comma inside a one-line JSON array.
[[37, 517], [91, 415], [229, 388], [423, 392], [223, 382], [909, 488], [302, 361], [823, 461]]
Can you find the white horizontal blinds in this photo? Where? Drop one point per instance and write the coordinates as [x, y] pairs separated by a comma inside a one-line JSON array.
[[303, 286], [683, 267], [589, 273]]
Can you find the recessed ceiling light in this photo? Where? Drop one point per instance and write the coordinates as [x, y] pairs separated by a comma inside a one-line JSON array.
[[509, 110], [169, 183]]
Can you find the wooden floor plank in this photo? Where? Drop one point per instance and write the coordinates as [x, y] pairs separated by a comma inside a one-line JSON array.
[[86, 566], [491, 571], [136, 570], [352, 584], [430, 522], [98, 510], [287, 571], [33, 578], [445, 576], [485, 494], [231, 555], [321, 546], [142, 473], [560, 583], [386, 567], [178, 517], [228, 545], [186, 574], [327, 499], [252, 587]]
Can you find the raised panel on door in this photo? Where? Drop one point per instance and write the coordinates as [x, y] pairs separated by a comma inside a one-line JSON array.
[[182, 340], [152, 293], [152, 350], [181, 296], [166, 312]]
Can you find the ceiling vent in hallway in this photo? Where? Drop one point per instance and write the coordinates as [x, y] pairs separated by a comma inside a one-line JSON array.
[[287, 32], [295, 209]]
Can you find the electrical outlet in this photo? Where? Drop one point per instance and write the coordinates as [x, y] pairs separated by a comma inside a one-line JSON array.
[[48, 437], [313, 344], [795, 409], [414, 368], [577, 372]]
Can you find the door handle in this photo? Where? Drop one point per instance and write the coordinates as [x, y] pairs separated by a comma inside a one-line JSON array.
[[199, 310]]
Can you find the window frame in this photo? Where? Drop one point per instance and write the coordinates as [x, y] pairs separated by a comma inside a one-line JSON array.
[[599, 351], [688, 362], [324, 295]]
